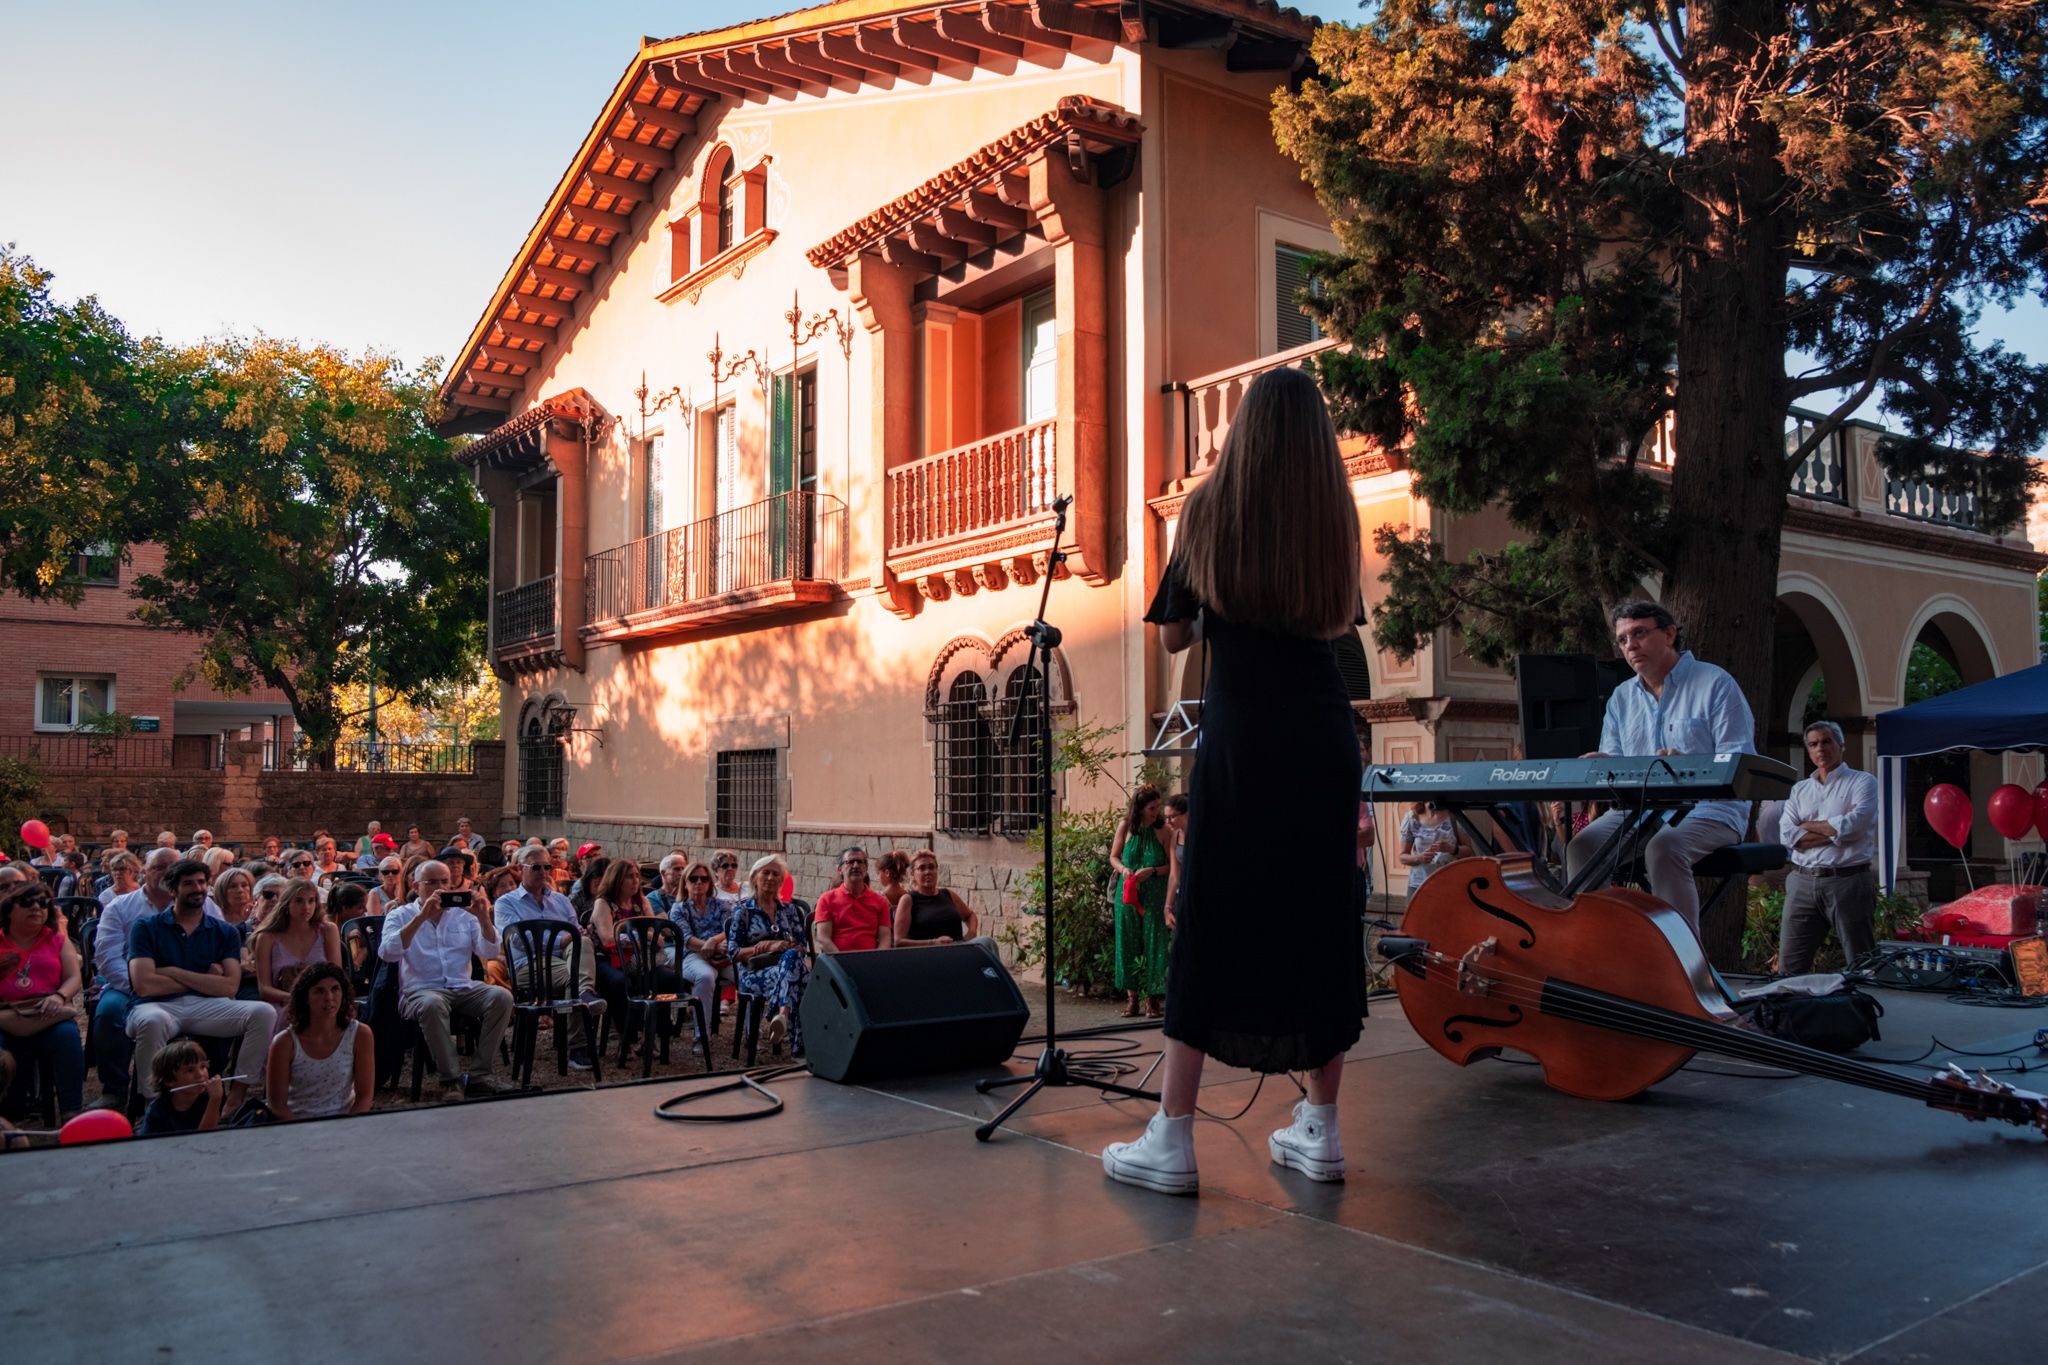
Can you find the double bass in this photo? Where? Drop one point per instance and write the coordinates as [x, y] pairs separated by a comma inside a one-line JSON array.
[[1609, 991]]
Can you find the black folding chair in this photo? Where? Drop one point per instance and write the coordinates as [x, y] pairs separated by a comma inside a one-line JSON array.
[[656, 990], [535, 945]]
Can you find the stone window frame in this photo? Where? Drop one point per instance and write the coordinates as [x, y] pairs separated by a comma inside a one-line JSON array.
[[695, 257], [728, 734]]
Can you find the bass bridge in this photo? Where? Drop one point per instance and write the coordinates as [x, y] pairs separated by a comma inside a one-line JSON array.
[[1470, 980]]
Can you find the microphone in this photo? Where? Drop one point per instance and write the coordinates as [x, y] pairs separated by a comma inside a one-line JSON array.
[[1062, 503]]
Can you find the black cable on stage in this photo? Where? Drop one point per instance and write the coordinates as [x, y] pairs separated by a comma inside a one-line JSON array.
[[745, 1081]]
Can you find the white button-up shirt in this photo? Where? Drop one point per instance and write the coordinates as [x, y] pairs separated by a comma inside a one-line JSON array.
[[1848, 801], [439, 956], [110, 934], [1701, 711]]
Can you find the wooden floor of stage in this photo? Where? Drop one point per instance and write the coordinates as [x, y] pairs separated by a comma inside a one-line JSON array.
[[1721, 1218]]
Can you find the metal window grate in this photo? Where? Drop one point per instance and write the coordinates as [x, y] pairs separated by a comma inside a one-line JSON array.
[[746, 797], [963, 780], [1017, 777], [540, 775]]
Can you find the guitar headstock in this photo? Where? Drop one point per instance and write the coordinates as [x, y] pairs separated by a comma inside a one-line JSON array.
[[1982, 1097]]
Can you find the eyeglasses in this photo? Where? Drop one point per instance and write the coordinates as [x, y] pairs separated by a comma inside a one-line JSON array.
[[1623, 639], [855, 862], [725, 867], [269, 895]]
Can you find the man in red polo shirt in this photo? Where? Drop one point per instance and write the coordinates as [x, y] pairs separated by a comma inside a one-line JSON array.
[[852, 917]]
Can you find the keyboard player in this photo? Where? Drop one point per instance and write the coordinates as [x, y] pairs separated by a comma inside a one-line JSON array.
[[1675, 704]]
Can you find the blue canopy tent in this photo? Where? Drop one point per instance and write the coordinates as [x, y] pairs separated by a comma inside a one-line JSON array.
[[1997, 716]]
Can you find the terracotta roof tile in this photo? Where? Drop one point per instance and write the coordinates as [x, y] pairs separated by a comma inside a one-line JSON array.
[[1074, 113]]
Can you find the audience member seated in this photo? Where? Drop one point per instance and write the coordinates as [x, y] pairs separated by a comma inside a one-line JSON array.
[[669, 883], [432, 940], [326, 858], [928, 914], [702, 919], [415, 845], [110, 1041], [466, 838], [618, 897], [367, 845], [184, 967], [188, 1100], [348, 900], [39, 983], [124, 876], [726, 887], [852, 917], [461, 865], [534, 897], [766, 938], [273, 847], [294, 934], [325, 1062], [892, 877], [234, 891]]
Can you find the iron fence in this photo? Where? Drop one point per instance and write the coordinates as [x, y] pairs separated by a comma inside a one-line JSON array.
[[374, 756], [98, 751]]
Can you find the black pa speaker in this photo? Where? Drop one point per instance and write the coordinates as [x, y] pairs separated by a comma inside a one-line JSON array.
[[902, 1011]]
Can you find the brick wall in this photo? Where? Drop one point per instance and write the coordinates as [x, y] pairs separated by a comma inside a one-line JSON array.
[[245, 803], [100, 637]]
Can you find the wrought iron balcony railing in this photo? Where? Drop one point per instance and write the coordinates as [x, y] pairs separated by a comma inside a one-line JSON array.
[[525, 614], [788, 537]]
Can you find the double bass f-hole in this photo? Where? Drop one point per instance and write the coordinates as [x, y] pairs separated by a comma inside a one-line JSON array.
[[1479, 884]]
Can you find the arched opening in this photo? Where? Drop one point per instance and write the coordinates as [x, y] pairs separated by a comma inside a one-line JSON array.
[[1817, 674], [717, 206], [965, 780], [1949, 650], [1017, 775]]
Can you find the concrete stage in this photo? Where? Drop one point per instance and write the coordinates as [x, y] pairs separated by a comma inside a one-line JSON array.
[[1719, 1219]]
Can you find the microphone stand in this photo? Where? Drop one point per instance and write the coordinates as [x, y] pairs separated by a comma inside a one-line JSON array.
[[1054, 1067]]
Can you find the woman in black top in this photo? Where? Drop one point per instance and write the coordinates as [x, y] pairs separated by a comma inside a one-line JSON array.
[[1265, 573], [927, 915]]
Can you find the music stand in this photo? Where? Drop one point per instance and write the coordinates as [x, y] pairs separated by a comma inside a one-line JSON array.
[[1053, 1066]]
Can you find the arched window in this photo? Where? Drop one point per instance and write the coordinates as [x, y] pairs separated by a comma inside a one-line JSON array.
[[1017, 775], [540, 770], [963, 780], [728, 217]]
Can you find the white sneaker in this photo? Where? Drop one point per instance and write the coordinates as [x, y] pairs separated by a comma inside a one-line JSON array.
[[1163, 1159], [1310, 1144]]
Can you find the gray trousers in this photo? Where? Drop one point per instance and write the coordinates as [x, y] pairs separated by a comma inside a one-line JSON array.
[[1668, 857], [432, 1009], [152, 1023], [1812, 904]]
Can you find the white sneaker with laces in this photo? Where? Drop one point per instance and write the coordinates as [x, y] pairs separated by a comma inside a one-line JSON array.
[[1310, 1144], [1163, 1159]]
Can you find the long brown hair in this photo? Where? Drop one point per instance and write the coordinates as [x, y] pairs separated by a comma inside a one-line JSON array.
[[280, 917], [609, 881], [1270, 538]]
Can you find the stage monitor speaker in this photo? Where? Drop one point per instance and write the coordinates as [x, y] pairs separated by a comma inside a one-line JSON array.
[[1563, 701], [903, 1011]]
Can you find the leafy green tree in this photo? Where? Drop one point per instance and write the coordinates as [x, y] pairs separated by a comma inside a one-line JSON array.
[[325, 525], [1547, 208], [89, 427]]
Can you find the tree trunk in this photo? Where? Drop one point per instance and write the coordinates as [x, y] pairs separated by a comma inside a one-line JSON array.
[[1729, 478]]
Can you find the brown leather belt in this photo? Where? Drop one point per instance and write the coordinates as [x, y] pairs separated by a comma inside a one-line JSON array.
[[1857, 870]]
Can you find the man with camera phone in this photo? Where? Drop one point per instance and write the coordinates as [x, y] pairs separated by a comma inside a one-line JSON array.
[[433, 939]]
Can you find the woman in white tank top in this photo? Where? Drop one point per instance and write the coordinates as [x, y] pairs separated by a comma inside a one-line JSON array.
[[324, 1063]]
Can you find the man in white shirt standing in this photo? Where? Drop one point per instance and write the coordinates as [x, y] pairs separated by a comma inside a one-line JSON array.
[[1830, 828], [1674, 705], [432, 940]]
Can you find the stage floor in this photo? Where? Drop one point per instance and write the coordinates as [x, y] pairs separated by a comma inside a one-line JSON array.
[[1718, 1219]]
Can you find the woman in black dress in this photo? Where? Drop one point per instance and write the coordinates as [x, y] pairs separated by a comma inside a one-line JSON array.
[[1266, 574]]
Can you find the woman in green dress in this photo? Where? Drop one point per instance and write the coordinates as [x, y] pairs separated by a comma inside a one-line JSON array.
[[1140, 891]]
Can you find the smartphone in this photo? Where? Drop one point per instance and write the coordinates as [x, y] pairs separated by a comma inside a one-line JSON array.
[[459, 899]]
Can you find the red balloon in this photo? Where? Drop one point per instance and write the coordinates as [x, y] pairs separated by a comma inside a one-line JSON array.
[[2011, 809], [94, 1125], [2041, 810], [1947, 808], [35, 834]]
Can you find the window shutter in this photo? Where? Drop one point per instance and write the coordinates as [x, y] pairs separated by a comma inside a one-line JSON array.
[[1291, 325], [650, 493]]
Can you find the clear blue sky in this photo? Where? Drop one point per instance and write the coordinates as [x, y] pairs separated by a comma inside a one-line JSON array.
[[355, 174]]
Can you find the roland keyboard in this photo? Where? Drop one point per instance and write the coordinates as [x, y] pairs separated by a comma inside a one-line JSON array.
[[1672, 779]]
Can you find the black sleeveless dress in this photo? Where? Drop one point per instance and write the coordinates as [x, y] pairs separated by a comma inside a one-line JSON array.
[[1266, 979]]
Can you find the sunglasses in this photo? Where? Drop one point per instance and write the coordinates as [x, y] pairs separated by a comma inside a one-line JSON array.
[[388, 871], [269, 895], [699, 877]]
